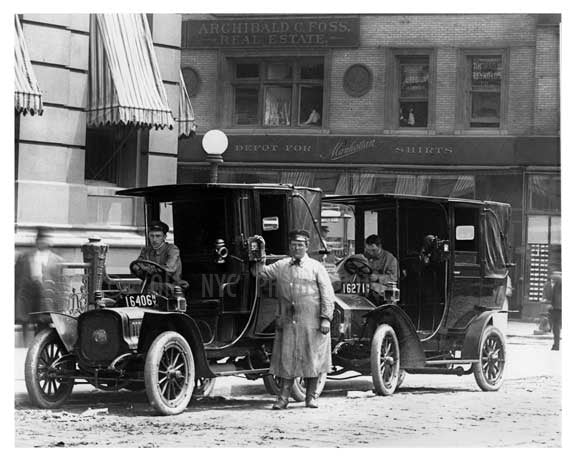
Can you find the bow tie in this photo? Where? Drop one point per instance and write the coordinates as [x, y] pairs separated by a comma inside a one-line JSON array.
[[295, 262]]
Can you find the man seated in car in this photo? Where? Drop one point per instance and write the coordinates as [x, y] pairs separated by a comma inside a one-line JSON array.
[[163, 253], [383, 263]]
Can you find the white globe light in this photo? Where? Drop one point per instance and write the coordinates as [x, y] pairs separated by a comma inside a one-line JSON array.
[[215, 142]]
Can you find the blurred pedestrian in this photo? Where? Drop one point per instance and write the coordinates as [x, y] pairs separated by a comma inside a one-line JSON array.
[[306, 304], [39, 284], [553, 296]]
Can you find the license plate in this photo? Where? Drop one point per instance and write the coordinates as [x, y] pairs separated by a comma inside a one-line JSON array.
[[357, 288], [140, 300]]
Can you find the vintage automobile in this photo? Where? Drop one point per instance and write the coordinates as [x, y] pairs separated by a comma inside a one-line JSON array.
[[445, 313], [173, 338]]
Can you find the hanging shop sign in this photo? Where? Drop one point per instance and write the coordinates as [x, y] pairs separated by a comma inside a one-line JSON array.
[[364, 150], [303, 32]]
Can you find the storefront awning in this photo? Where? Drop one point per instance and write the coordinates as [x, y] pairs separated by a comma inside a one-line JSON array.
[[125, 82], [27, 96], [186, 123]]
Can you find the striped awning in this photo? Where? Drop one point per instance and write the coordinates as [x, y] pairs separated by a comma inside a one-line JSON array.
[[186, 124], [27, 96], [125, 82]]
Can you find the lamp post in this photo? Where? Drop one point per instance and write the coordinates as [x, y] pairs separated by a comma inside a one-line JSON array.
[[214, 143]]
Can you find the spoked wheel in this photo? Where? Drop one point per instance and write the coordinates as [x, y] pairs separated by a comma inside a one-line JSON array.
[[385, 360], [489, 372], [298, 391], [169, 373], [272, 384], [47, 370], [203, 388]]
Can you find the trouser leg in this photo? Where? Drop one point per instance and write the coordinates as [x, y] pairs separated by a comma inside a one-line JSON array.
[[284, 395], [556, 317], [311, 392]]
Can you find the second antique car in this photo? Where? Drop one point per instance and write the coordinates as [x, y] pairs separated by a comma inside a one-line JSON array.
[[445, 313]]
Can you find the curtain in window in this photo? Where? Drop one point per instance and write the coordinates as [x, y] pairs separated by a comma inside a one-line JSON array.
[[297, 178], [464, 186], [412, 185], [362, 183], [277, 107], [343, 185]]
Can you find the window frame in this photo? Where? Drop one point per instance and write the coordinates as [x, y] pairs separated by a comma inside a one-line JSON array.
[[464, 115], [395, 58], [295, 83]]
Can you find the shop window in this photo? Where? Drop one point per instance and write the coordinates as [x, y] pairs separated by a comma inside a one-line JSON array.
[[484, 88], [111, 161], [544, 253], [544, 192], [271, 93], [413, 94]]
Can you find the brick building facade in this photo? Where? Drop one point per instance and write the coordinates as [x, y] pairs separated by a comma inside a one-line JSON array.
[[451, 105]]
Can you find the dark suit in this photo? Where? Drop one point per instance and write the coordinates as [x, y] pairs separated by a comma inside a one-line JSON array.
[[38, 288]]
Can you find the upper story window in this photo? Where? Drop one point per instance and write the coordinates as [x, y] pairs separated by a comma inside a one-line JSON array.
[[484, 81], [278, 93], [413, 74]]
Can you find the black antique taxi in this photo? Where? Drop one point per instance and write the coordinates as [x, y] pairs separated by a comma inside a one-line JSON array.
[[174, 341]]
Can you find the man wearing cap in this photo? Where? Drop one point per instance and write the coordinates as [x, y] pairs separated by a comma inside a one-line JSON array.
[[161, 252], [306, 303], [383, 263]]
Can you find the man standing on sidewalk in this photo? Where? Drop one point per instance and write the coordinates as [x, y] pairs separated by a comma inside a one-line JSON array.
[[306, 304], [553, 295]]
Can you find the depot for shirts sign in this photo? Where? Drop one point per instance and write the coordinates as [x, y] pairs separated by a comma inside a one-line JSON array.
[[329, 32]]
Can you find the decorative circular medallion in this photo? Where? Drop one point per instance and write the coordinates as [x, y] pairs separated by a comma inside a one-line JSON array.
[[357, 80], [192, 80]]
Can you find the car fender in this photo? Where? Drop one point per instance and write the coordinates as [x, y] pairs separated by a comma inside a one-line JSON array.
[[470, 346], [65, 325], [154, 323], [411, 351]]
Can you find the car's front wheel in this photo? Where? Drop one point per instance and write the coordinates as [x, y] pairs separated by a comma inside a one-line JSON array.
[[47, 370], [385, 360], [169, 373]]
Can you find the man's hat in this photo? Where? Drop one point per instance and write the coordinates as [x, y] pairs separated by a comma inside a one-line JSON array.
[[158, 226], [299, 235]]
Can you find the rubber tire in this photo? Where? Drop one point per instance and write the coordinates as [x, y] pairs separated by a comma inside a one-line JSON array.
[[168, 339], [203, 388], [37, 396], [481, 379], [380, 386], [298, 391], [272, 384]]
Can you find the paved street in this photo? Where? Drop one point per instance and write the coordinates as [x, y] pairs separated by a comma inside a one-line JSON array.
[[445, 411]]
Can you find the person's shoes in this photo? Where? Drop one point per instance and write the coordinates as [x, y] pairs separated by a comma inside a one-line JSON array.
[[280, 403], [284, 395], [311, 395], [555, 347]]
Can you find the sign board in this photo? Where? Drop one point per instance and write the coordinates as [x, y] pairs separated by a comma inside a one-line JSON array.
[[301, 32]]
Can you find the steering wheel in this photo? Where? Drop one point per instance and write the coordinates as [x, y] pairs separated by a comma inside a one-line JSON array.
[[357, 266], [145, 269]]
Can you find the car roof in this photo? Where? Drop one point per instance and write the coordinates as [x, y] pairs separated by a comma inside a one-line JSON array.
[[367, 199], [167, 190]]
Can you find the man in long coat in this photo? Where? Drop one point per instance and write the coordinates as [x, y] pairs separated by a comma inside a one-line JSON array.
[[306, 304], [39, 283]]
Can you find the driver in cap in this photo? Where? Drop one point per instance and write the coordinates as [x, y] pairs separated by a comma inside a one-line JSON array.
[[161, 252]]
